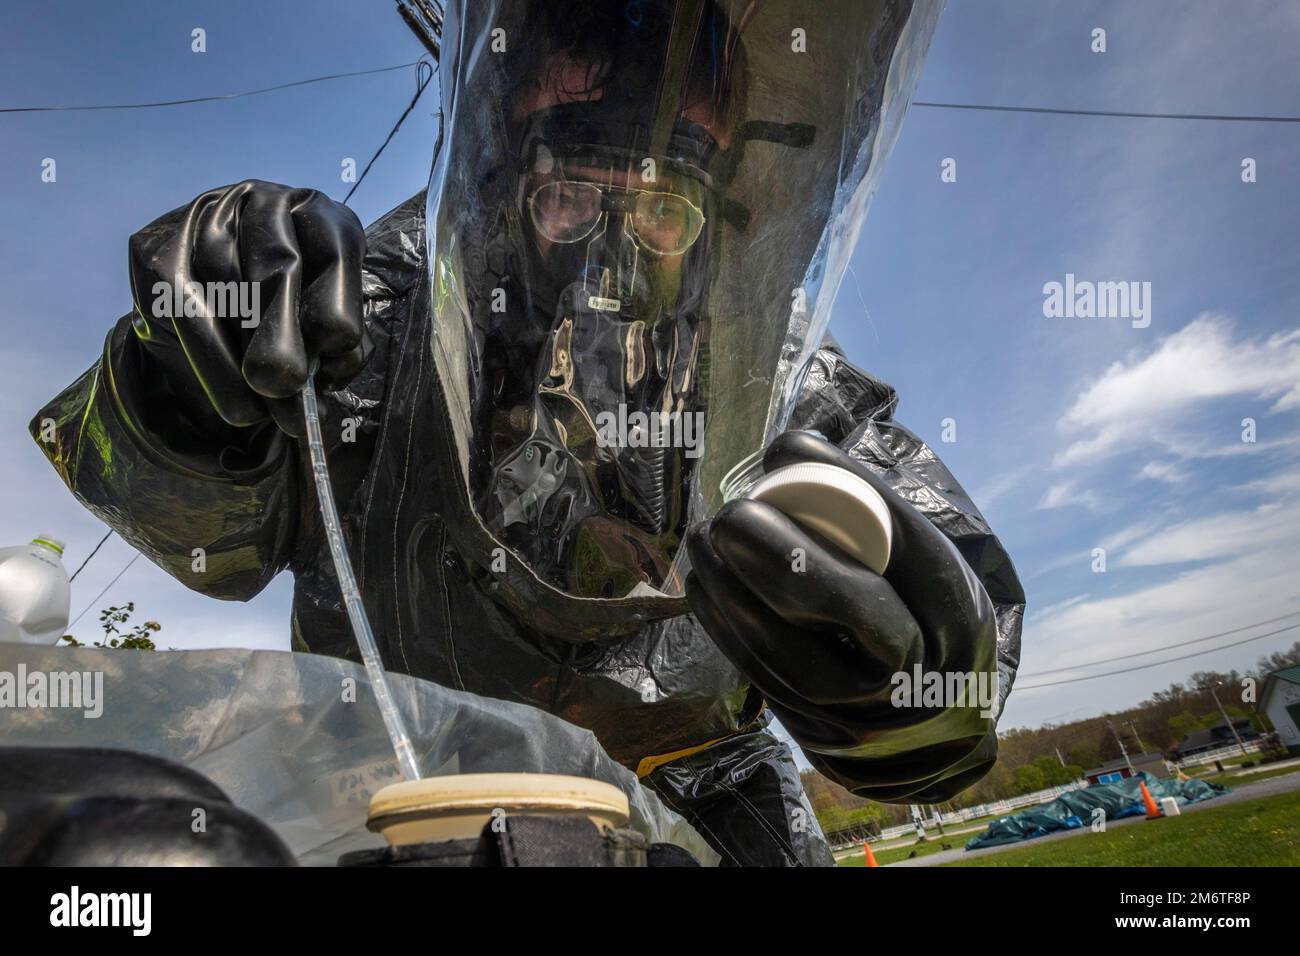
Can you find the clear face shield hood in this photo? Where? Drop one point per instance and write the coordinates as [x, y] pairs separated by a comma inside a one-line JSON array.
[[637, 224]]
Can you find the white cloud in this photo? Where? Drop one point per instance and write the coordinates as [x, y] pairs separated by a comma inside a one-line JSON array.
[[1163, 471], [1279, 484], [1129, 534], [1252, 574], [1216, 536], [1257, 584], [1056, 608], [1154, 398], [1068, 494], [1077, 558], [998, 487], [1220, 535]]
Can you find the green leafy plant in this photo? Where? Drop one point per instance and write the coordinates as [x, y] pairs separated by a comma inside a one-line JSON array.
[[114, 621]]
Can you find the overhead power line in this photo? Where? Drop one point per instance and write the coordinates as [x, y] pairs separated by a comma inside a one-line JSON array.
[[96, 598], [1163, 647], [1141, 667], [1210, 117], [204, 99], [422, 80], [91, 555]]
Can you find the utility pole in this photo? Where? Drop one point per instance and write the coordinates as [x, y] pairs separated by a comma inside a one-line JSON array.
[[1058, 755], [1141, 745], [1228, 720], [918, 819], [1122, 749]]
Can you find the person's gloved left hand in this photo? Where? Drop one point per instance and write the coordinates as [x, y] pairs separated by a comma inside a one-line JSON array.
[[823, 638], [302, 252]]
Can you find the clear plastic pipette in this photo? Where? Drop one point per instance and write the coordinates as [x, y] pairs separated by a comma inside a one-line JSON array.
[[351, 593]]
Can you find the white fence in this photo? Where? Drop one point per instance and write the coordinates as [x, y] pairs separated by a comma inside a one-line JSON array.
[[1252, 746], [998, 808]]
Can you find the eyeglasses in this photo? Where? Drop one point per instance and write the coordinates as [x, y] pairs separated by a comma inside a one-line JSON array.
[[664, 223]]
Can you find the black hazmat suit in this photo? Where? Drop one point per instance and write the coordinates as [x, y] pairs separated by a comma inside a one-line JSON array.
[[654, 688]]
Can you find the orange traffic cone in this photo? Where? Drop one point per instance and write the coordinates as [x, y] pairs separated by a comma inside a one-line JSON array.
[[871, 857], [1153, 811]]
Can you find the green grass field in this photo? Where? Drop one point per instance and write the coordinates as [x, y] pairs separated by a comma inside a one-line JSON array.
[[1235, 778], [894, 854], [1264, 832], [933, 843]]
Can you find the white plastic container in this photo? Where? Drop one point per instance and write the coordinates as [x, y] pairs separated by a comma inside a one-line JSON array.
[[34, 592], [1169, 806]]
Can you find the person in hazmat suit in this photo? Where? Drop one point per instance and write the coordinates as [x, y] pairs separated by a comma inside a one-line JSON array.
[[549, 378]]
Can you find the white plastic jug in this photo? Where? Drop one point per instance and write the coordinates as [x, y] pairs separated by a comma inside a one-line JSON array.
[[34, 594]]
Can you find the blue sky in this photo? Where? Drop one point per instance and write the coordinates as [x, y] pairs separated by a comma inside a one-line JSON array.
[[1072, 434]]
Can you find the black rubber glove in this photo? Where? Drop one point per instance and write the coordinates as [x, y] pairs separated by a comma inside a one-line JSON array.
[[823, 643], [305, 252]]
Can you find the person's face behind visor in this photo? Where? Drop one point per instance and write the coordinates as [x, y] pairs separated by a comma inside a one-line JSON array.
[[598, 201], [624, 238]]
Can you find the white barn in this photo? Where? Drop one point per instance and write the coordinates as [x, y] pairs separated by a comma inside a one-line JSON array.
[[1281, 703]]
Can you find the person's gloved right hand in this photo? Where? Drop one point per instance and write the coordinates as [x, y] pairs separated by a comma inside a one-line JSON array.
[[827, 642], [303, 250]]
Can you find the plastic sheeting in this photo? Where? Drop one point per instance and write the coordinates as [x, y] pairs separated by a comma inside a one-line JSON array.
[[297, 740], [1075, 809]]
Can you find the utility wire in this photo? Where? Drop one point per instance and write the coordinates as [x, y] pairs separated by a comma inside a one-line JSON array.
[[1140, 667], [1165, 647], [1064, 112], [421, 81], [981, 107], [91, 555], [204, 99], [105, 591]]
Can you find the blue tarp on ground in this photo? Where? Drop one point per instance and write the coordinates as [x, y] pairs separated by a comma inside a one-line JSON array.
[[1120, 799]]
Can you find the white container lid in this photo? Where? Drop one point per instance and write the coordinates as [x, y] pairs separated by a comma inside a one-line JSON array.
[[458, 806], [836, 504]]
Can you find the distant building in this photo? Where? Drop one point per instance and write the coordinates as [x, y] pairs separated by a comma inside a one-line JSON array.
[[1280, 702], [1153, 764], [1216, 735]]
